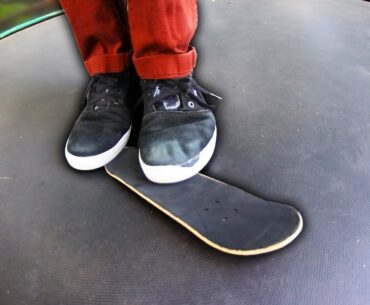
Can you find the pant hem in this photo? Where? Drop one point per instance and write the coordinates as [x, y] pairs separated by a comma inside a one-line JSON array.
[[165, 65], [108, 63]]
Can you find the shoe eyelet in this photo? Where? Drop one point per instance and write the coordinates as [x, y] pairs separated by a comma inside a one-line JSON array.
[[191, 104]]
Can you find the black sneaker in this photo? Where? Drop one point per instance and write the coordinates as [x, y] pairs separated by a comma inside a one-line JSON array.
[[178, 133], [103, 127]]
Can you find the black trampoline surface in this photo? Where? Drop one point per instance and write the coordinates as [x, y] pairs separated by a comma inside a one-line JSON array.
[[294, 127]]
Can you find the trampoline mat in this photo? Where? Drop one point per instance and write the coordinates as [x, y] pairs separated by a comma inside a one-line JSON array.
[[293, 127]]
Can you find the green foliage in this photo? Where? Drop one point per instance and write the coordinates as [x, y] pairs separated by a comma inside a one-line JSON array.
[[7, 9], [15, 12]]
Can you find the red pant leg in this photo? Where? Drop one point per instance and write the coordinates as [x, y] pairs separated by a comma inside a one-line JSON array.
[[161, 31], [101, 34]]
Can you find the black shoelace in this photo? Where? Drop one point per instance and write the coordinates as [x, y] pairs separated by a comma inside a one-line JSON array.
[[166, 88], [103, 91]]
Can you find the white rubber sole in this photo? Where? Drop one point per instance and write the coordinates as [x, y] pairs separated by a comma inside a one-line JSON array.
[[97, 161], [176, 173]]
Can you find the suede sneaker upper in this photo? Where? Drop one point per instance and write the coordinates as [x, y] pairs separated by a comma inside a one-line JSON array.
[[177, 125], [105, 120]]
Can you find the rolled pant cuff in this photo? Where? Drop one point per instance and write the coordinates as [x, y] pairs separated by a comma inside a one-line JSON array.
[[166, 66], [109, 63]]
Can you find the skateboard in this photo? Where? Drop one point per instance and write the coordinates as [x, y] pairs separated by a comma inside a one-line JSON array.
[[221, 215]]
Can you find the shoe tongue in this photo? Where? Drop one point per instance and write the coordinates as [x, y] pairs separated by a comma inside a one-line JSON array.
[[170, 103], [166, 98]]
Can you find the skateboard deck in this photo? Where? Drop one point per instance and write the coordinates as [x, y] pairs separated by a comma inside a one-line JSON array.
[[223, 216]]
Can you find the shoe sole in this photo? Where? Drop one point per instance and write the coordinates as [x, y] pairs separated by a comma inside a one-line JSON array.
[[96, 161], [175, 173]]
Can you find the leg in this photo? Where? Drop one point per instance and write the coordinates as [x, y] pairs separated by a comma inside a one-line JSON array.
[[178, 133], [101, 34], [161, 31], [104, 125]]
